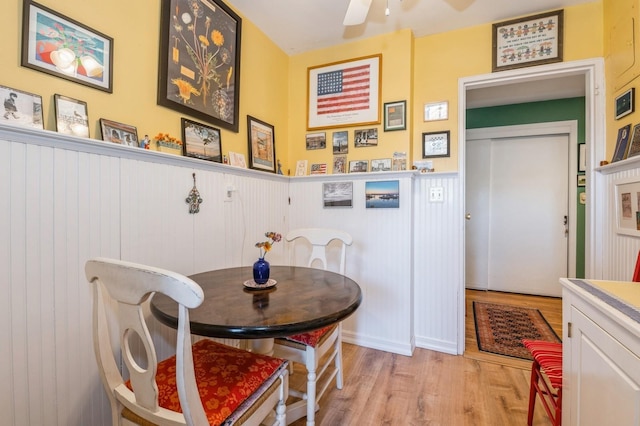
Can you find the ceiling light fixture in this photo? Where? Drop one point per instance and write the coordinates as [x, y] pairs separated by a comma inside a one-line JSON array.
[[386, 11]]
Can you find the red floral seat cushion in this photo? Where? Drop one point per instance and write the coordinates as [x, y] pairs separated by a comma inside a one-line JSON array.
[[225, 376], [313, 338]]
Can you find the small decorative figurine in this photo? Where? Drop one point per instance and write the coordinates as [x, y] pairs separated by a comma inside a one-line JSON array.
[[279, 167], [144, 143]]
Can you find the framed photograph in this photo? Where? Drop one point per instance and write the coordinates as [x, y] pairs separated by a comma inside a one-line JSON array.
[[316, 140], [582, 180], [365, 137], [358, 166], [381, 165], [199, 70], [382, 194], [634, 142], [201, 141], [399, 161], [341, 142], [622, 143], [625, 103], [72, 117], [22, 109], [337, 194], [339, 164], [436, 144], [395, 116], [301, 168], [319, 169], [627, 192], [528, 41], [435, 111], [357, 80], [582, 157], [262, 148], [65, 48], [236, 159], [115, 132]]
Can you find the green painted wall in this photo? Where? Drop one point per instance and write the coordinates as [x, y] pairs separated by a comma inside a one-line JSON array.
[[540, 112]]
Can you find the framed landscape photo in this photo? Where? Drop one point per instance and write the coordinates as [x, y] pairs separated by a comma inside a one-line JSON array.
[[57, 45], [622, 143], [625, 103], [356, 80], [199, 70], [436, 144], [337, 194], [262, 145], [395, 116], [72, 117], [22, 109], [115, 132], [532, 40], [201, 141]]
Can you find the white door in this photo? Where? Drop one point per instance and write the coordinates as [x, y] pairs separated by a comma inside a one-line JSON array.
[[517, 239]]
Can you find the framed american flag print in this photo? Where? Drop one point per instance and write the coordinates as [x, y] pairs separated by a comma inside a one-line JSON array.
[[345, 93]]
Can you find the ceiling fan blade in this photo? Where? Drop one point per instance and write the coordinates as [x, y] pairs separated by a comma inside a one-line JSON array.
[[357, 12], [460, 5]]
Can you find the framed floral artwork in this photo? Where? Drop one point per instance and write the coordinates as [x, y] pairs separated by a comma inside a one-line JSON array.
[[199, 70]]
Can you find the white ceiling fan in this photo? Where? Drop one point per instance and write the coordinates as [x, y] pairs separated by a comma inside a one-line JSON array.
[[358, 10]]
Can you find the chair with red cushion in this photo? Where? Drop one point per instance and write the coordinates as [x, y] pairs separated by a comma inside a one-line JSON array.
[[206, 383], [547, 359], [636, 271], [320, 345]]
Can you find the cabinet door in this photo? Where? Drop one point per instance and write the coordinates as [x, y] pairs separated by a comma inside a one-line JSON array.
[[604, 378]]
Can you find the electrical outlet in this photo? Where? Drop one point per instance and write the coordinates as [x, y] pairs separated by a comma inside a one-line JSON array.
[[228, 191], [436, 194]]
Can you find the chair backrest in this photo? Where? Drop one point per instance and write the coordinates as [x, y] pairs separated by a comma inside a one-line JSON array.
[[319, 239], [130, 285], [636, 271]]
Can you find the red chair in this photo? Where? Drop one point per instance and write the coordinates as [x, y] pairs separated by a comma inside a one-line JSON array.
[[547, 359], [636, 272]]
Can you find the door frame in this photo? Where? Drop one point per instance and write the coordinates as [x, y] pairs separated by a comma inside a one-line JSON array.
[[569, 128], [595, 124]]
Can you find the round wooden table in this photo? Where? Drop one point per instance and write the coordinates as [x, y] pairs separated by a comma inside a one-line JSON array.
[[304, 299]]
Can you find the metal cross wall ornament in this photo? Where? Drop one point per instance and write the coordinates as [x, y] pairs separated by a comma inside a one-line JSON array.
[[194, 199]]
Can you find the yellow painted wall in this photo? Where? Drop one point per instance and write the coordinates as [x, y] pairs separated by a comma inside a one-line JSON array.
[[135, 28]]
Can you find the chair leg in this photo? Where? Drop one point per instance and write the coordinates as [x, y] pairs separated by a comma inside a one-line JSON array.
[[535, 374], [311, 395], [338, 364], [558, 418]]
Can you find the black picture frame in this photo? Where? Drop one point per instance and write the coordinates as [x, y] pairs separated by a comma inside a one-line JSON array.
[[436, 144], [199, 73], [625, 103], [72, 116], [395, 116], [201, 141], [85, 58], [262, 145], [622, 143], [120, 133]]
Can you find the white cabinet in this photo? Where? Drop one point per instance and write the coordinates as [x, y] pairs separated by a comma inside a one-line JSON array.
[[601, 353]]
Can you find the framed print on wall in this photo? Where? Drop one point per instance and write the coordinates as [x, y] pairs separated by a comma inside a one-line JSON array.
[[316, 140], [340, 142], [201, 141], [436, 144], [21, 108], [395, 116], [357, 80], [625, 103], [627, 193], [63, 47], [72, 117], [337, 194], [262, 149], [622, 143], [115, 132], [532, 40], [199, 70]]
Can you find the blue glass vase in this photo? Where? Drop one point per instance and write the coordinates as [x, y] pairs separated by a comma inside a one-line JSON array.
[[261, 271]]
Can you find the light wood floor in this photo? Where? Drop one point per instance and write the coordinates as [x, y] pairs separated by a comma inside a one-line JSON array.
[[432, 388]]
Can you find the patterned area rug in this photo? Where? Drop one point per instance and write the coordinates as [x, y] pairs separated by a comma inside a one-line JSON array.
[[501, 328]]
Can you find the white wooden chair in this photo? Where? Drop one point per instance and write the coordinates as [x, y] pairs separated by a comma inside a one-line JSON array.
[[321, 345], [186, 382]]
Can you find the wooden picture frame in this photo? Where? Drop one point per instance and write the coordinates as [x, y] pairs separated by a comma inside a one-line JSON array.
[[22, 109], [528, 41], [337, 194], [120, 133], [625, 103], [395, 116], [262, 145], [329, 84], [199, 69], [436, 144], [622, 144], [63, 47], [72, 116], [201, 141]]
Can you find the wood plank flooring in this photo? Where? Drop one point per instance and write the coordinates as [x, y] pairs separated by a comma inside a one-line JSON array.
[[432, 388]]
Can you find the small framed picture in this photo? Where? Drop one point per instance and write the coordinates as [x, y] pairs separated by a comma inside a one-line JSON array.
[[435, 111], [625, 103], [337, 194], [582, 157], [436, 144], [339, 164], [72, 117], [236, 159], [381, 165], [358, 166], [340, 142], [21, 108], [316, 140], [582, 180], [395, 116], [201, 141], [319, 169], [622, 143], [382, 194], [365, 137], [301, 167], [262, 148], [634, 142], [115, 132]]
